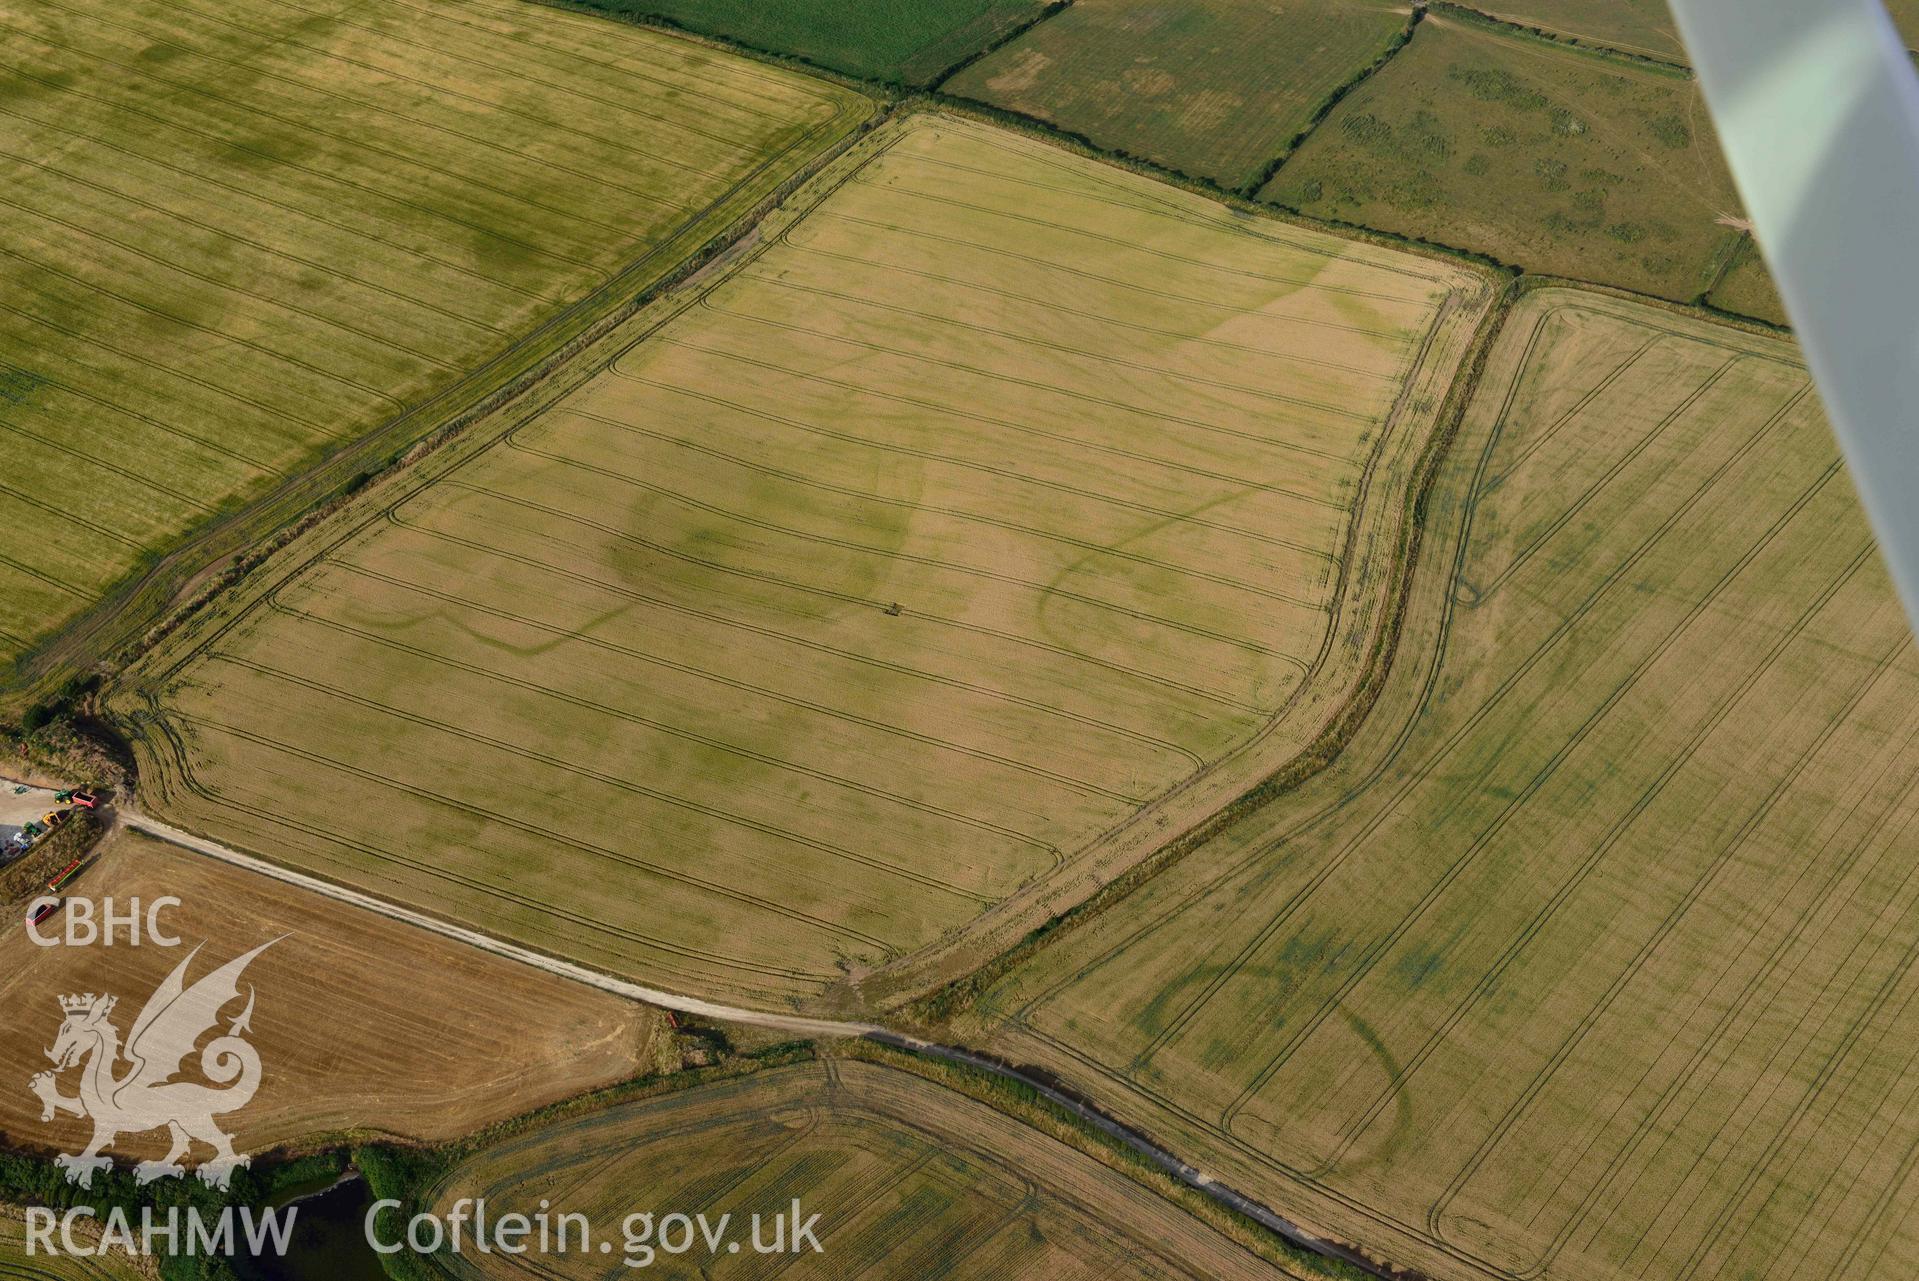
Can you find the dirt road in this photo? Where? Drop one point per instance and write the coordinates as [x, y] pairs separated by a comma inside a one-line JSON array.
[[1086, 1111], [486, 942]]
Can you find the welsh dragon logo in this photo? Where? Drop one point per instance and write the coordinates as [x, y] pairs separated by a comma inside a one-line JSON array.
[[145, 1096]]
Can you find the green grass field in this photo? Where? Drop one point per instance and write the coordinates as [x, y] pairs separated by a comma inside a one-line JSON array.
[[909, 42], [1594, 957], [910, 1180], [1747, 288], [1216, 90], [1543, 156], [994, 496], [238, 237]]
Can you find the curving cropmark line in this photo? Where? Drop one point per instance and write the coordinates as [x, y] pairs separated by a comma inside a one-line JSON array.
[[1522, 938], [781, 637], [1381, 816], [846, 598], [688, 670], [1560, 632], [1092, 549], [1376, 950], [949, 460], [1044, 590]]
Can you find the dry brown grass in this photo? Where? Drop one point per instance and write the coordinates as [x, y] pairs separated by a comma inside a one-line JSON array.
[[363, 1024]]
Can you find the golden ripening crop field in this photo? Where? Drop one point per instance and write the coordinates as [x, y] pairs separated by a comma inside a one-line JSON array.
[[993, 515], [1594, 956], [909, 1179], [236, 238]]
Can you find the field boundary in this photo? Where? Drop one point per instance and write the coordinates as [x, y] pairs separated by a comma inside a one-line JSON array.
[[1142, 1095], [940, 1006], [1075, 1121], [1257, 183], [1000, 42], [134, 702], [1470, 14]]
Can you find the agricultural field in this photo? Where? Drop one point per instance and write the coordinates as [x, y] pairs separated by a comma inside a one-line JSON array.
[[1747, 288], [1593, 957], [1215, 90], [363, 1024], [1558, 160], [910, 1180], [996, 516], [909, 42], [239, 237], [1637, 26], [17, 1265]]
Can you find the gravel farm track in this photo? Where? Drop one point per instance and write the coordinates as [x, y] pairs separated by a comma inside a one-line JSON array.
[[1084, 1111]]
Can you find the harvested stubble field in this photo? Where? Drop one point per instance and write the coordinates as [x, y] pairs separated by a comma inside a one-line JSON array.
[[17, 1265], [363, 1024], [993, 497], [1559, 160], [1215, 90], [1594, 957], [235, 237], [910, 1180], [909, 42]]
